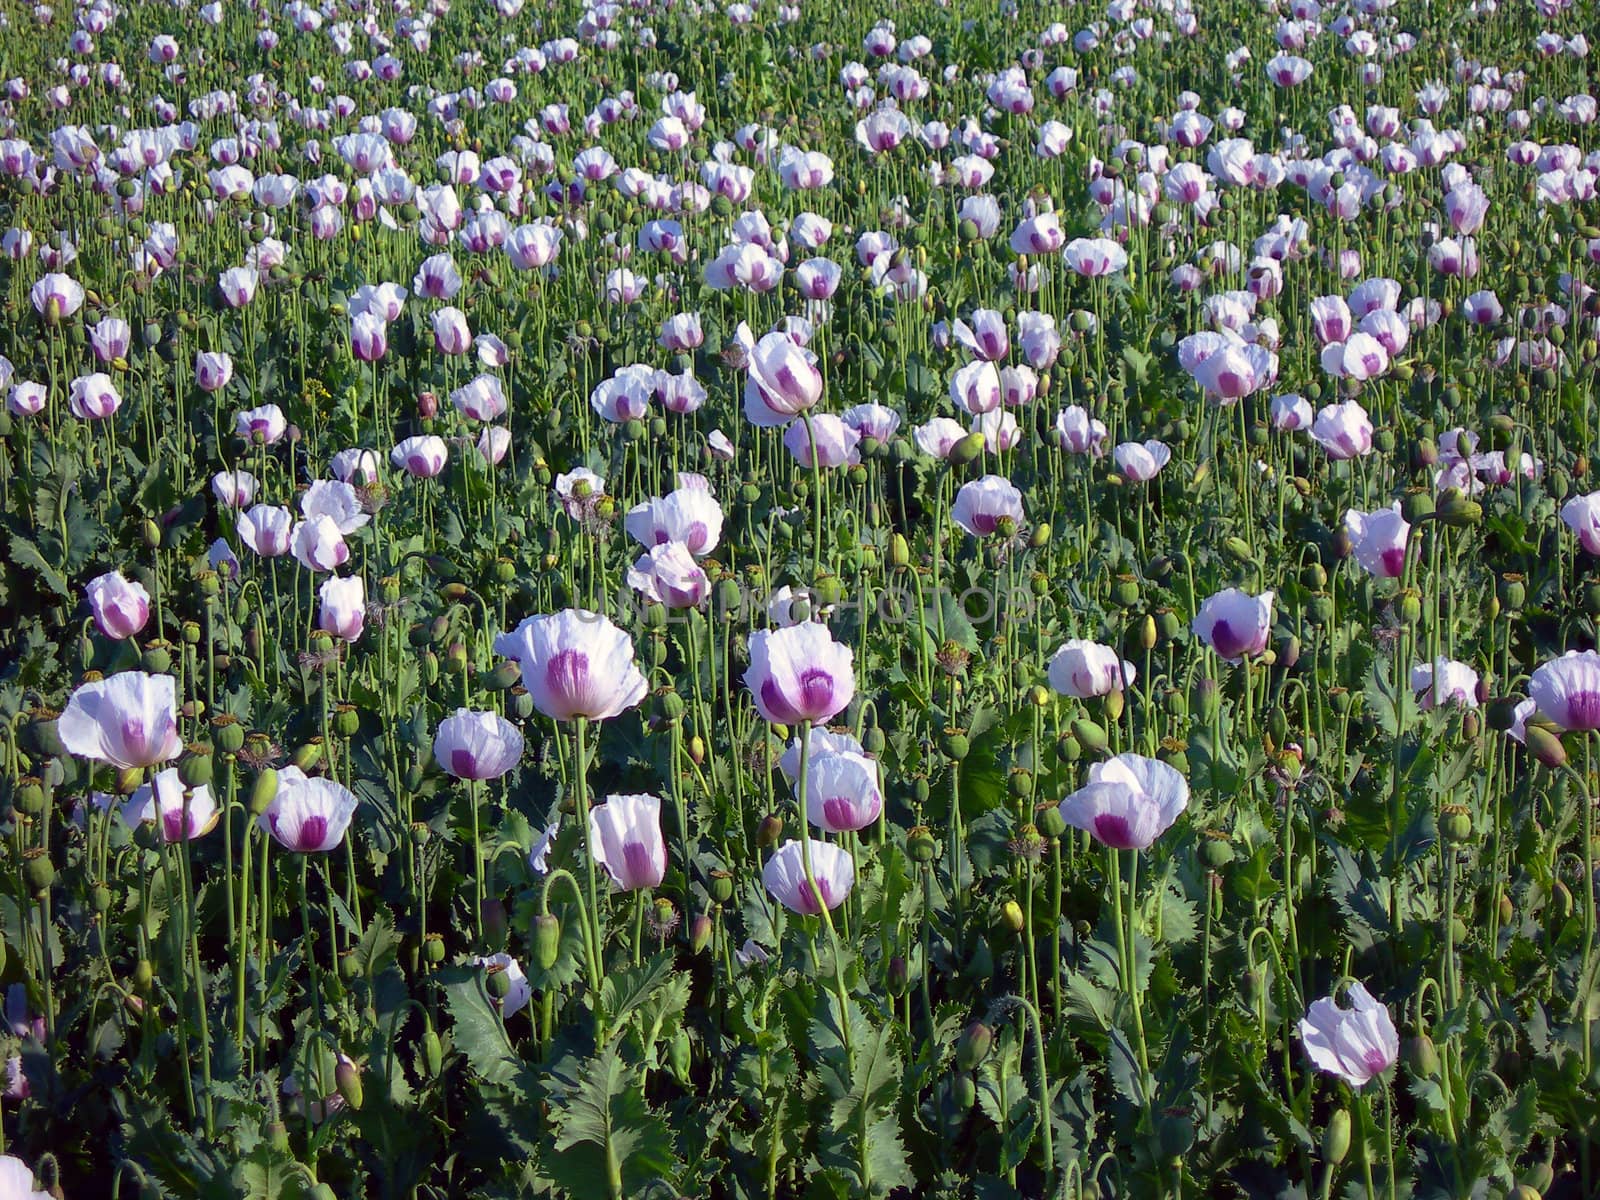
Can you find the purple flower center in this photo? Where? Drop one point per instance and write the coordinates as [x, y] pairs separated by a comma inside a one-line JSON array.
[[1583, 710], [463, 763], [172, 825], [1375, 1059], [134, 739], [1394, 561], [567, 674], [313, 832], [1114, 830], [839, 812], [637, 868], [1226, 642]]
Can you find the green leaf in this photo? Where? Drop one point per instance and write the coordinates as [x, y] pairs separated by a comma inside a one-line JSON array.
[[624, 991], [607, 1133], [477, 1031], [25, 554]]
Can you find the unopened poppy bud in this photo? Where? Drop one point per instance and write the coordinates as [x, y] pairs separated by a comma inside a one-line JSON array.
[[144, 975], [432, 1052], [1011, 913], [307, 757], [697, 750], [769, 831], [347, 1078], [972, 1047], [963, 1091], [1068, 749], [699, 932], [263, 791], [1090, 735], [899, 552], [1336, 1137], [1114, 704], [1422, 1057], [151, 533], [1545, 745], [506, 675], [1408, 606], [966, 451]]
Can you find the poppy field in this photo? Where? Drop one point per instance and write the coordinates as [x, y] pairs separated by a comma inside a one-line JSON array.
[[777, 600]]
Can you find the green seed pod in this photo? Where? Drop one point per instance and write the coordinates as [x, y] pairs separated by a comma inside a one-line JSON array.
[[433, 949], [1020, 783], [228, 733], [195, 767], [873, 740], [38, 872], [1174, 1135], [721, 886], [1336, 1137], [954, 744], [156, 659], [920, 845], [1125, 591], [1455, 823], [29, 796], [1068, 749]]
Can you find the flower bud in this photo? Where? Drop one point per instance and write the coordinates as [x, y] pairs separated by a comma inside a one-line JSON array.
[[699, 932], [1421, 1057], [1011, 913], [898, 976], [769, 831], [263, 791], [1545, 745], [1336, 1137], [347, 1078], [1090, 735], [973, 1045]]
